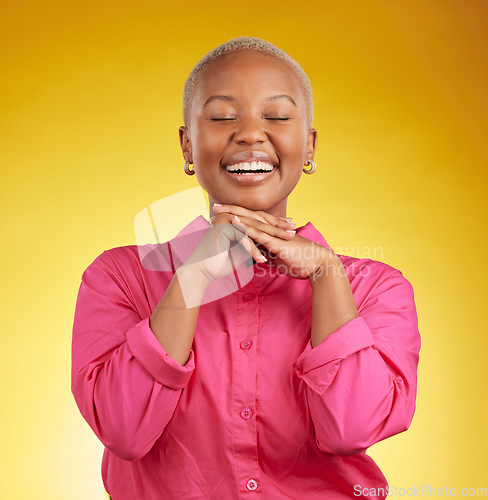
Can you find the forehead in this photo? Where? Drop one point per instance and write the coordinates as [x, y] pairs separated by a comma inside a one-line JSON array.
[[251, 73]]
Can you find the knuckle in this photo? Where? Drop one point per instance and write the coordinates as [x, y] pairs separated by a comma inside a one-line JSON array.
[[277, 231], [222, 218]]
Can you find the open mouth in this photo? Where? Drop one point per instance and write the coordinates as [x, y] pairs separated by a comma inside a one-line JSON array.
[[250, 168]]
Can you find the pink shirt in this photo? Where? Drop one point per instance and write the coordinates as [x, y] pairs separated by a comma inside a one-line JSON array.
[[256, 412]]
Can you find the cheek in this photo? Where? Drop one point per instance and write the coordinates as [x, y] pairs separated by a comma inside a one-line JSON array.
[[208, 145], [293, 141], [297, 173]]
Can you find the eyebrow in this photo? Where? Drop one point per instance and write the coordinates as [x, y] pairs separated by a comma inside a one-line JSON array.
[[230, 98], [282, 96], [220, 97]]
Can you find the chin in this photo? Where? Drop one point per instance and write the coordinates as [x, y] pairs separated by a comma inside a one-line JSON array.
[[252, 201]]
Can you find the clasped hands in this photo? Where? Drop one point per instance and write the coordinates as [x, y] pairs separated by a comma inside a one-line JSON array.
[[263, 236]]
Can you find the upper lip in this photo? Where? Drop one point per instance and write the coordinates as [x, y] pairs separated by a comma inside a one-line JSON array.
[[248, 156]]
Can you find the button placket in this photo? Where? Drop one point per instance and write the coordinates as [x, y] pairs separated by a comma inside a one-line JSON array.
[[244, 388]]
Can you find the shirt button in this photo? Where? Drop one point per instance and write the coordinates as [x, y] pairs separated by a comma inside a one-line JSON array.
[[248, 297], [246, 344], [246, 413], [251, 485]]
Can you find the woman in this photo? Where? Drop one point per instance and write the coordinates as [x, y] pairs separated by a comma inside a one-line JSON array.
[[274, 388]]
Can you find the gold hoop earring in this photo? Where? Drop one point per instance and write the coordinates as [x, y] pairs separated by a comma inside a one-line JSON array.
[[187, 169], [312, 169]]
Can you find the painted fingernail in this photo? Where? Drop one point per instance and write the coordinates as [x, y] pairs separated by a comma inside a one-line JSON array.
[[217, 205], [263, 258], [288, 219], [237, 218], [292, 223]]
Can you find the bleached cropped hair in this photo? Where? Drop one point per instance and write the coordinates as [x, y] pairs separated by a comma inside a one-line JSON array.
[[235, 45]]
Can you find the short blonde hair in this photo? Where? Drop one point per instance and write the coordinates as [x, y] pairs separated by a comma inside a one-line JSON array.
[[235, 45]]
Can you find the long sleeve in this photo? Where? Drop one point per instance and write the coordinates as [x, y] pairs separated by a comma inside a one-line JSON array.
[[361, 381], [124, 383]]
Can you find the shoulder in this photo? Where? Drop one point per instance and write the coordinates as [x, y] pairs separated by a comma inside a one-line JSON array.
[[131, 261], [375, 282], [368, 270], [375, 270], [136, 261], [122, 257], [156, 256], [371, 270]]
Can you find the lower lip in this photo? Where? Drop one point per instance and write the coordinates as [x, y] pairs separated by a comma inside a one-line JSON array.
[[250, 179]]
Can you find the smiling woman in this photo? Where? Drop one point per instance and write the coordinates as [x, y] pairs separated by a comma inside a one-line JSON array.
[[259, 362], [253, 105]]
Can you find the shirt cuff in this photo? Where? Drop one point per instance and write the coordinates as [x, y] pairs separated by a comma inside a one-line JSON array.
[[151, 354], [318, 366]]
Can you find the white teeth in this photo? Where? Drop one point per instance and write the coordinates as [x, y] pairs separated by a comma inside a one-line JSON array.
[[249, 166]]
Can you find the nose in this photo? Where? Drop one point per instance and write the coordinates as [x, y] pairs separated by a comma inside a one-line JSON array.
[[250, 130]]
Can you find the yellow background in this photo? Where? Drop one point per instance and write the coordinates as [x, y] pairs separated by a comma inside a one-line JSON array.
[[91, 105]]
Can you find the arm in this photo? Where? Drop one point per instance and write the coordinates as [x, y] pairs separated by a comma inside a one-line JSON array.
[[360, 365], [129, 365], [332, 299], [172, 322], [125, 383], [361, 378]]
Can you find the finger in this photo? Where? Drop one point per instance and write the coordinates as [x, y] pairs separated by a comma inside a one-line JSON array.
[[289, 220], [247, 242], [252, 249], [244, 240], [277, 232], [238, 233], [273, 244], [236, 210], [284, 222]]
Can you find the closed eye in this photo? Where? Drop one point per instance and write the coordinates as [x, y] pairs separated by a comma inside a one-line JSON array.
[[231, 119]]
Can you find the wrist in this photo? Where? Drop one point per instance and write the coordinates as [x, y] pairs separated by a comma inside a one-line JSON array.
[[328, 266], [193, 283]]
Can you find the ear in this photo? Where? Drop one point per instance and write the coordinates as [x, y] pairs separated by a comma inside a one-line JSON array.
[[311, 144], [185, 143]]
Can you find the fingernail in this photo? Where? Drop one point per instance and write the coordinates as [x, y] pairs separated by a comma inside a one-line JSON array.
[[288, 219], [239, 223], [217, 205], [263, 258], [292, 223], [290, 231]]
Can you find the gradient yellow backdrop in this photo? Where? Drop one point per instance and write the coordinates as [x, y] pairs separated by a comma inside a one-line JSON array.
[[91, 105]]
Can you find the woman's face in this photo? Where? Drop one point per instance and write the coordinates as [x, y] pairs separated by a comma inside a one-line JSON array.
[[248, 115]]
